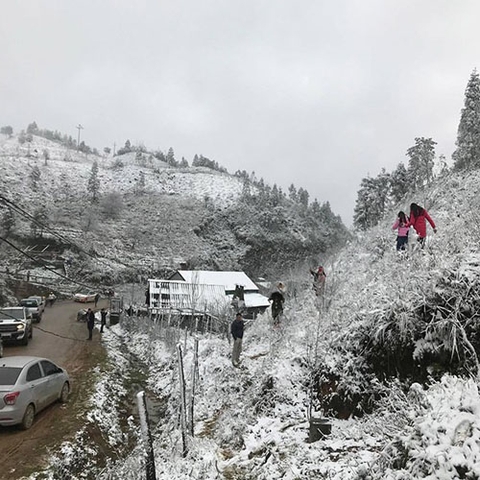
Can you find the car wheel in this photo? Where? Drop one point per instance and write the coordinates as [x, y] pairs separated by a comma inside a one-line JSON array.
[[31, 332], [24, 340], [27, 420], [64, 394]]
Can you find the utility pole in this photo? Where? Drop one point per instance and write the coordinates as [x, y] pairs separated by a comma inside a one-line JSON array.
[[78, 127]]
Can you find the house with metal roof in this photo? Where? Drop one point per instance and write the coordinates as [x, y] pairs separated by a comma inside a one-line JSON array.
[[215, 293]]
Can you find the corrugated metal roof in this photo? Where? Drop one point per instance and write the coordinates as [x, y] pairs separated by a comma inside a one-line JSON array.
[[228, 279]]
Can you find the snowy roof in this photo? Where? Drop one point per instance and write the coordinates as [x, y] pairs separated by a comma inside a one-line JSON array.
[[228, 279], [253, 300]]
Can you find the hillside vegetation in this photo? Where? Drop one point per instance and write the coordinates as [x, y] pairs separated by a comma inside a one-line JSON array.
[[142, 216]]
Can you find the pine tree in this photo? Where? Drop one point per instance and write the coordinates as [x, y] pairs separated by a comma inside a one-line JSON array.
[[372, 201], [467, 154], [35, 175], [171, 158], [93, 186], [399, 184], [421, 161], [292, 193]]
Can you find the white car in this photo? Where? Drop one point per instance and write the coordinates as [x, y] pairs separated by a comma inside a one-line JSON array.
[[28, 385], [85, 297]]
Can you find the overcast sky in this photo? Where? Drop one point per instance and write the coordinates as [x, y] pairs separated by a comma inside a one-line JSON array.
[[315, 93]]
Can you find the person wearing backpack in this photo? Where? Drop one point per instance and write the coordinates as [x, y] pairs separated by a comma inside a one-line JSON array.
[[418, 220], [403, 227]]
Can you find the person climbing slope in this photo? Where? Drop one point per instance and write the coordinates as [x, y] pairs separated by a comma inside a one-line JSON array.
[[403, 227], [418, 220], [319, 277], [277, 299]]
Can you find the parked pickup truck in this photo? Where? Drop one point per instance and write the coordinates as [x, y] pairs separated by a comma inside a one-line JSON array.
[[15, 325], [34, 307]]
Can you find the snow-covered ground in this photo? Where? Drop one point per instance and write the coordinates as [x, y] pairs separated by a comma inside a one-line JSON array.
[[68, 169], [252, 422]]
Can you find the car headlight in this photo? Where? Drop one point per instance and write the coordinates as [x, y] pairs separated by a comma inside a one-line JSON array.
[[21, 326]]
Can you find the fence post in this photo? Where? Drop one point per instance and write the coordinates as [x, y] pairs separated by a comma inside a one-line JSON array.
[[147, 436], [183, 406], [192, 390]]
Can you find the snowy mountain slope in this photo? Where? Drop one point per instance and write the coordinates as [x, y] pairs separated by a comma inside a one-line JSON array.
[[252, 422], [150, 217]]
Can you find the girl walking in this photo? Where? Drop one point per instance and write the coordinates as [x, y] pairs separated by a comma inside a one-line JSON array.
[[418, 220], [403, 226]]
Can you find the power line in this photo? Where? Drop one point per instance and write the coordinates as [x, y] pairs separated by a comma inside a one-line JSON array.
[[71, 280], [53, 232]]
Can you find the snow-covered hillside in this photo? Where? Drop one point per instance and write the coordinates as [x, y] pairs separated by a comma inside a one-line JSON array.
[[142, 202], [117, 174], [252, 422]]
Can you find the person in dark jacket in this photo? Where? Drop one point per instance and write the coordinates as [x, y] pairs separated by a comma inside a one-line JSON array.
[[237, 333], [97, 298], [277, 298], [103, 314], [90, 322]]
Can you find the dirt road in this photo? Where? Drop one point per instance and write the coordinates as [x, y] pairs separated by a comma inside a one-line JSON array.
[[62, 339]]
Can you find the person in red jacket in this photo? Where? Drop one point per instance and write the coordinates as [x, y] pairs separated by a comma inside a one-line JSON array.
[[418, 220]]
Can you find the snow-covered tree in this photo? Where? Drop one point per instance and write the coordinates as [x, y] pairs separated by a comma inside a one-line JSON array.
[[371, 201], [399, 183], [292, 193], [303, 196], [35, 175], [32, 128], [171, 158], [7, 130], [467, 154], [93, 186], [421, 161]]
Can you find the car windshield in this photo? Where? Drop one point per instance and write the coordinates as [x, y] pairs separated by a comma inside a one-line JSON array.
[[9, 375], [9, 314], [29, 303]]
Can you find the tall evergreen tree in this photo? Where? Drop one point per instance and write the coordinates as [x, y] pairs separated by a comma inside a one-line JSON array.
[[399, 184], [35, 175], [303, 196], [467, 154], [93, 186], [171, 158], [372, 200], [292, 193], [421, 161]]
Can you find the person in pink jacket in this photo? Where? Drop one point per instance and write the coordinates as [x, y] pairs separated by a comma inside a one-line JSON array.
[[418, 220], [403, 228]]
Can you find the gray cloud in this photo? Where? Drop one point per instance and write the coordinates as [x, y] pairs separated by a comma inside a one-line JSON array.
[[318, 94]]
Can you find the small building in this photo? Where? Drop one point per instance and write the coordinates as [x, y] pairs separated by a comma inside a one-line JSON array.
[[215, 293]]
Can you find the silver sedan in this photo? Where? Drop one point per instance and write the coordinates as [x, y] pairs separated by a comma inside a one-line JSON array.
[[28, 385]]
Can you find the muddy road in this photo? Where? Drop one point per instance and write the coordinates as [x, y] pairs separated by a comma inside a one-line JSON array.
[[62, 339]]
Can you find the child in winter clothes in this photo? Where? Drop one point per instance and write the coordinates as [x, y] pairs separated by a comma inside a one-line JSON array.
[[403, 227], [418, 220]]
